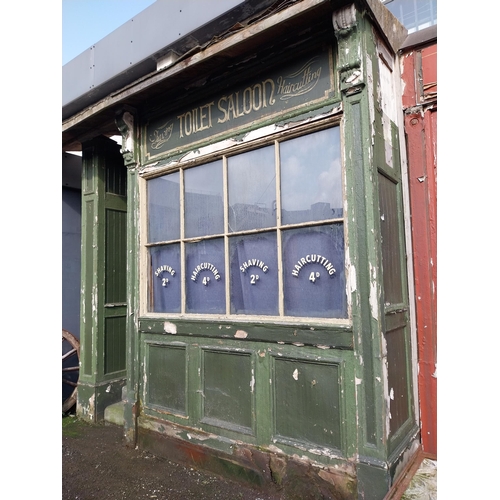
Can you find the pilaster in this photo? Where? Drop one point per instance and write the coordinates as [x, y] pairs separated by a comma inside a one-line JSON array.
[[350, 27], [125, 121]]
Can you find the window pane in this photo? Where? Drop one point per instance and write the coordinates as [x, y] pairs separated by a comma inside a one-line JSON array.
[[254, 274], [311, 182], [205, 288], [414, 15], [203, 200], [164, 208], [252, 190], [314, 276], [165, 278]]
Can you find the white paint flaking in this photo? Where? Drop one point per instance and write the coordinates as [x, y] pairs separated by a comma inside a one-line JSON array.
[[169, 328], [296, 374], [352, 279], [358, 380], [373, 292], [252, 382], [391, 393], [240, 334]]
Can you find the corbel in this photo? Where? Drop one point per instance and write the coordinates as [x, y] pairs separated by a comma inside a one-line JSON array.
[[124, 119], [345, 26]]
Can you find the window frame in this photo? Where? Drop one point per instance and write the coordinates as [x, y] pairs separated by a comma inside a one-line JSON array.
[[221, 151]]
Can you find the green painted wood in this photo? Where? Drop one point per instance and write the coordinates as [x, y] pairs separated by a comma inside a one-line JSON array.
[[345, 410], [103, 318], [114, 343], [398, 382], [307, 402], [87, 327], [166, 383], [239, 382], [228, 387], [320, 335], [390, 241]]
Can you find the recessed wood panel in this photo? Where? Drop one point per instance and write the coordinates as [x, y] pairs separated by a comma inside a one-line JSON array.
[[114, 344], [227, 389], [307, 402], [116, 256], [397, 374], [391, 240], [166, 377]]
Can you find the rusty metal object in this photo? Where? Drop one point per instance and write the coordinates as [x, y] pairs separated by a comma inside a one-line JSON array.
[[71, 348]]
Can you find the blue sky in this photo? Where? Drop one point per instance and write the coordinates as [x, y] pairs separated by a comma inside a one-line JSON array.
[[85, 22]]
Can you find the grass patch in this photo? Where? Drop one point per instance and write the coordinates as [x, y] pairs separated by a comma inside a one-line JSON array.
[[72, 426]]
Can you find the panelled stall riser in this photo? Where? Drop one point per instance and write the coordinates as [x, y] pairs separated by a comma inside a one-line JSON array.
[[268, 329]]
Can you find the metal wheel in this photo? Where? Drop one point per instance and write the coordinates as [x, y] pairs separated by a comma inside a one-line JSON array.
[[70, 369]]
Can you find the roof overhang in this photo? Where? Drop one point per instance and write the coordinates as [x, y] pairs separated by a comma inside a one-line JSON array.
[[259, 29]]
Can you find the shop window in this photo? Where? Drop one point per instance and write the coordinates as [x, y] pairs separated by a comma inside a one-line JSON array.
[[260, 232]]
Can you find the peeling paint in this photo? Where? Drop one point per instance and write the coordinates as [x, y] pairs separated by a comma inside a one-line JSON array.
[[354, 78], [169, 328], [252, 382], [275, 449], [391, 393], [240, 334], [296, 374], [373, 292], [352, 279], [358, 380]]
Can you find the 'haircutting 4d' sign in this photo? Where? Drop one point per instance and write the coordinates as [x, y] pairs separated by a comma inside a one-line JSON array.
[[289, 88]]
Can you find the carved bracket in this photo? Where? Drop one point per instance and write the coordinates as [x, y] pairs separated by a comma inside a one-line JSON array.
[[344, 21], [125, 122], [345, 26]]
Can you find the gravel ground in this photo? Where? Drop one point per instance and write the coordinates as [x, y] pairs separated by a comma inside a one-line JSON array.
[[96, 464]]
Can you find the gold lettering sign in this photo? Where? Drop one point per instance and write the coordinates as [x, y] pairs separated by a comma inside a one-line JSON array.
[[286, 89]]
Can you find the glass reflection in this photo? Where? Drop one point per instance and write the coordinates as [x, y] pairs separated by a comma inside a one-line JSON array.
[[311, 182], [203, 200], [164, 208], [252, 190]]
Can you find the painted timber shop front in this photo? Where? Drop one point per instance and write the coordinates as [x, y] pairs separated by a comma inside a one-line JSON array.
[[244, 275]]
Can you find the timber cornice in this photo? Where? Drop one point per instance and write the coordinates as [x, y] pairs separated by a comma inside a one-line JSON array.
[[99, 117]]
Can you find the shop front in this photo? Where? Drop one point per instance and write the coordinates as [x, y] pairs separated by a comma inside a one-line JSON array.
[[245, 282]]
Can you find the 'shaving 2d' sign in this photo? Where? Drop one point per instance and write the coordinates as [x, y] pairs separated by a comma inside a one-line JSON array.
[[283, 90]]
